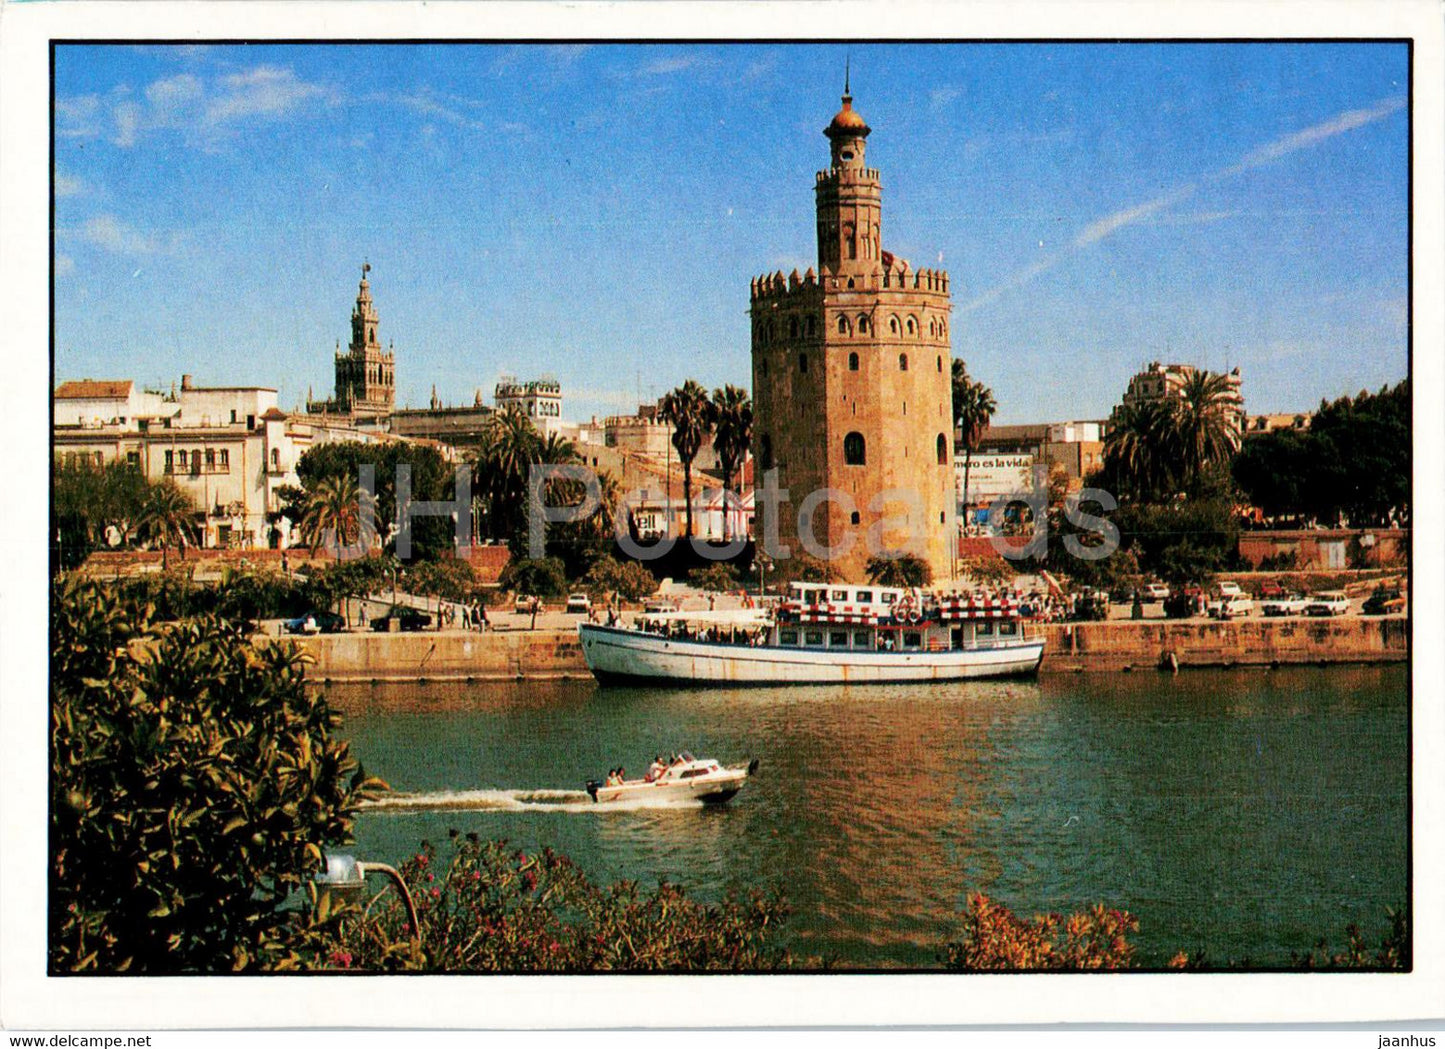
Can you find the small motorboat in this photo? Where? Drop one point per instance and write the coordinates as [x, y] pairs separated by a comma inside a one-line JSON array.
[[686, 779]]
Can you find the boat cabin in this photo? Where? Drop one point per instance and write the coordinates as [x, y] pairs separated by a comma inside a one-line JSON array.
[[877, 618]]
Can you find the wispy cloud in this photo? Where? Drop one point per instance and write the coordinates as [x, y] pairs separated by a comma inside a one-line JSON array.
[[1151, 210], [205, 110], [940, 97], [1310, 136], [670, 65], [64, 265], [68, 185], [1111, 224], [119, 237]]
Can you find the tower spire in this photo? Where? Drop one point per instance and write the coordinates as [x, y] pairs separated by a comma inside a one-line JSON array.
[[847, 73]]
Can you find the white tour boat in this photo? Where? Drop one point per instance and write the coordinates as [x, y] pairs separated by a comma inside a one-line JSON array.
[[686, 779], [822, 633]]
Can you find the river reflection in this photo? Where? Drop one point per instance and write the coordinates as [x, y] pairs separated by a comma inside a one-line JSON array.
[[1249, 812]]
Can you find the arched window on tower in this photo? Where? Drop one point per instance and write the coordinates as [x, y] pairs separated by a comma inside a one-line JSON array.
[[803, 362], [912, 326], [765, 452], [892, 325], [940, 362], [851, 237], [842, 325], [903, 362], [862, 324], [854, 451], [811, 329], [942, 448], [852, 362]]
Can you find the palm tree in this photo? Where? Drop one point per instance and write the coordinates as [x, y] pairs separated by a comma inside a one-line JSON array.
[[510, 446], [732, 421], [1138, 447], [1204, 429], [908, 570], [973, 407], [168, 517], [332, 509], [688, 410]]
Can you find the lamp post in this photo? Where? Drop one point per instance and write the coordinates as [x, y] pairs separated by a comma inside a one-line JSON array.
[[345, 875]]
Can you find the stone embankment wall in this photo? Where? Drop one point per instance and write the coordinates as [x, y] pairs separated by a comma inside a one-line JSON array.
[[1239, 642], [446, 656], [555, 654]]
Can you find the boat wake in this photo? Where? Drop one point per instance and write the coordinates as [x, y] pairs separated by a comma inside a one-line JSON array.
[[516, 801]]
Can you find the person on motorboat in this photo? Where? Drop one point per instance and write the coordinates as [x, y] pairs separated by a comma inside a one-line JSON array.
[[657, 768]]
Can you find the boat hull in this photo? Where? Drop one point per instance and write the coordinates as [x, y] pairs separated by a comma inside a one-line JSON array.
[[710, 790], [624, 656]]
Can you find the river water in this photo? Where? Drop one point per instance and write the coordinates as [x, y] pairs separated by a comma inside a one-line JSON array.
[[1246, 812]]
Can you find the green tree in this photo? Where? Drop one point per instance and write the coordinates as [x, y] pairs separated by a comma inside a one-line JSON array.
[[509, 447], [628, 579], [688, 410], [168, 519], [194, 781], [732, 422], [973, 408], [1137, 449], [540, 577]]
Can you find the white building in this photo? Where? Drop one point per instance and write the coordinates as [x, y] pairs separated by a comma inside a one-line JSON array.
[[230, 448]]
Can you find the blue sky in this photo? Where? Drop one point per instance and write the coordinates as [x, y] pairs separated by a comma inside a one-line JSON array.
[[596, 212]]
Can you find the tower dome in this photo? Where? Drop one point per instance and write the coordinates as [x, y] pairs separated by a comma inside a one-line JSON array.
[[848, 121]]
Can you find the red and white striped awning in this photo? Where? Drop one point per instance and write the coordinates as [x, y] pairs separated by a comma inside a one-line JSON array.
[[822, 614], [978, 606]]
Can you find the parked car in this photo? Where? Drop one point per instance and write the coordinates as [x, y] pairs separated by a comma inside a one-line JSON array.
[[1384, 602], [1153, 592], [1329, 603], [658, 605], [1271, 589], [315, 622], [409, 618], [579, 604], [1284, 605], [525, 602], [1222, 596], [1235, 607]]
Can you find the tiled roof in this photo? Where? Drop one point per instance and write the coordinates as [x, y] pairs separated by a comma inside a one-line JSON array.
[[274, 413], [93, 389]]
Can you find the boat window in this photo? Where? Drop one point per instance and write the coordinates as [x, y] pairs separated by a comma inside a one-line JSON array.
[[912, 639], [838, 639], [813, 637], [865, 597], [838, 595], [1008, 628], [860, 639], [984, 629], [888, 597], [689, 773], [788, 637]]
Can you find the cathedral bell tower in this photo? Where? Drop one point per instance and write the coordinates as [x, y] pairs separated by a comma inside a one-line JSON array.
[[365, 373], [852, 387]]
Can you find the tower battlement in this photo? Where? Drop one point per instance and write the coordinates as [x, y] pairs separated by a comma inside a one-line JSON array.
[[778, 288], [848, 175]]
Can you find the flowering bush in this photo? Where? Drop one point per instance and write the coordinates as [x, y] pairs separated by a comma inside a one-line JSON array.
[[994, 939], [489, 908]]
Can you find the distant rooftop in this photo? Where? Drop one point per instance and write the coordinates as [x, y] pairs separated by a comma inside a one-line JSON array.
[[91, 389]]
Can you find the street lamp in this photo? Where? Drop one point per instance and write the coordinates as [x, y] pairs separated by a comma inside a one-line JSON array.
[[346, 876]]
